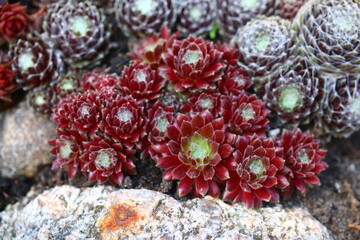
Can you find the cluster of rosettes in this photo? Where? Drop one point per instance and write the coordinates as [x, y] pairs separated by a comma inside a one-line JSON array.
[[184, 104], [74, 36], [15, 22], [197, 17], [307, 70]]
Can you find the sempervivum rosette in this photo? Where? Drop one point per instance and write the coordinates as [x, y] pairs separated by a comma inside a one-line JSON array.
[[303, 160], [41, 100], [233, 14], [264, 45], [65, 85], [78, 30], [195, 154], [330, 34], [15, 22], [159, 117], [192, 64], [34, 62], [141, 82], [124, 121], [82, 112], [7, 79], [203, 101], [94, 81], [245, 114], [288, 9], [144, 17], [295, 93], [254, 172], [104, 160], [150, 49], [67, 149], [339, 113], [230, 54], [234, 81], [196, 17]]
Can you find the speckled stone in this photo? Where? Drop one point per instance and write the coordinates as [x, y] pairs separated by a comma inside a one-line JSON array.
[[23, 141], [105, 213]]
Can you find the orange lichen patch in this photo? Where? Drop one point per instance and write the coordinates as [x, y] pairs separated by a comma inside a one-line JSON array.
[[54, 206], [120, 216]]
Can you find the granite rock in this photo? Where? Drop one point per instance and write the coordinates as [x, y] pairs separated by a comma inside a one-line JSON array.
[[107, 213], [23, 141]]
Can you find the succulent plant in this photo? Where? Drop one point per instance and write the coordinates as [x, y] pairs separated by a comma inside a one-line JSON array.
[[104, 160], [15, 22], [339, 114], [196, 17], [65, 85], [141, 82], [203, 101], [234, 81], [41, 99], [264, 45], [144, 17], [170, 98], [329, 35], [194, 154], [287, 9], [81, 112], [295, 92], [303, 160], [34, 62], [230, 54], [192, 64], [233, 14], [245, 114], [124, 121], [150, 49], [159, 117], [78, 30], [67, 149], [254, 172], [95, 81], [7, 79]]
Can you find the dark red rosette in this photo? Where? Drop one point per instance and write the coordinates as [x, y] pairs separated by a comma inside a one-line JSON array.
[[141, 82], [192, 64], [104, 160], [15, 22], [159, 117], [303, 160], [95, 81], [82, 112], [230, 55], [34, 62], [7, 80], [245, 114], [67, 148], [203, 101], [41, 100], [234, 81], [194, 154], [254, 172], [172, 99], [288, 9], [124, 121], [150, 49]]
